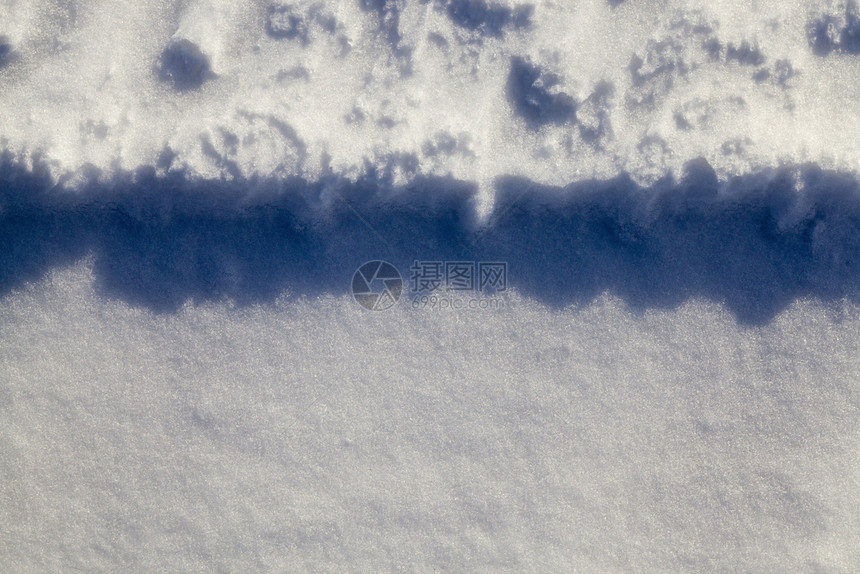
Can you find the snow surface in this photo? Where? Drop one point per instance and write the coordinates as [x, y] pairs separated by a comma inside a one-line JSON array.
[[311, 435], [552, 91], [671, 381]]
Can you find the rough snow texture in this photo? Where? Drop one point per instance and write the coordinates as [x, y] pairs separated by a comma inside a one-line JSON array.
[[552, 91], [186, 188]]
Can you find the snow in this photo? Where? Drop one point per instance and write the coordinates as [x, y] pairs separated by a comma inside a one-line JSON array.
[[636, 89], [308, 434], [667, 382]]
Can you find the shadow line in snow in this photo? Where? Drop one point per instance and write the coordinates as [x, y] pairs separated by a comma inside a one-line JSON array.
[[755, 243]]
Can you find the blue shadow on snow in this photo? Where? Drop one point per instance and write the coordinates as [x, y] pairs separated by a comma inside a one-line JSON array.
[[756, 243]]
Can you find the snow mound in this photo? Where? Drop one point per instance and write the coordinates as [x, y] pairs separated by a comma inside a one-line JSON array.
[[554, 92]]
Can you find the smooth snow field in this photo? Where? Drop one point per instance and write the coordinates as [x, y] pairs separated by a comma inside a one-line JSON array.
[[429, 286]]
